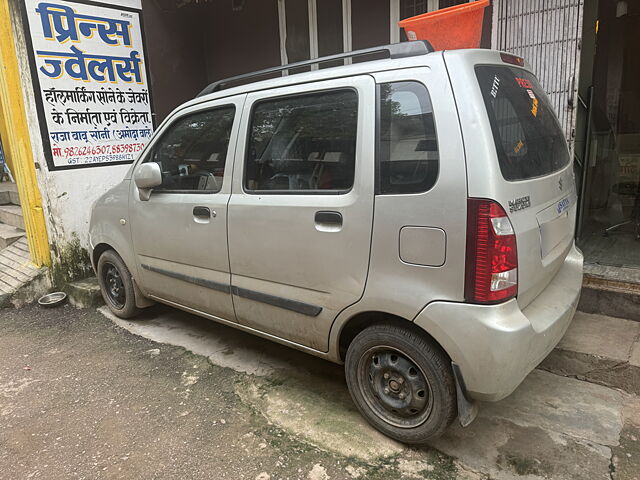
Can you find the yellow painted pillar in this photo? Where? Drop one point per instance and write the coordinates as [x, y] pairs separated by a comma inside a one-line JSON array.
[[17, 143]]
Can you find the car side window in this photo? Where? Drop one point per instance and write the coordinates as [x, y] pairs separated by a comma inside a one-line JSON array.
[[303, 143], [408, 146], [192, 152]]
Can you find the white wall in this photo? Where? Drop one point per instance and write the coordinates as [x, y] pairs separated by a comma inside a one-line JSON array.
[[69, 195]]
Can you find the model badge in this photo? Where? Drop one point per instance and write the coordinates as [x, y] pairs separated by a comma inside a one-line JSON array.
[[560, 184], [519, 204]]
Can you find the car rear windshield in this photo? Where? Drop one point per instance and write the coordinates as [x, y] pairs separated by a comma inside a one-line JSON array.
[[527, 135]]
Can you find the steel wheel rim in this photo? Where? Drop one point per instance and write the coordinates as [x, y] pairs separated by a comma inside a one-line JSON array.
[[113, 285], [394, 387]]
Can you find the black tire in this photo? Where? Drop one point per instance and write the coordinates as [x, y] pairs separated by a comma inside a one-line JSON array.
[[116, 285], [402, 383]]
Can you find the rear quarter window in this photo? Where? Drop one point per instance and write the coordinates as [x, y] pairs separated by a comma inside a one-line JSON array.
[[407, 143], [528, 138]]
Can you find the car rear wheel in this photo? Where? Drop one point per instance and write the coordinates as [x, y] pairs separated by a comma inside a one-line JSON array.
[[401, 382], [116, 285]]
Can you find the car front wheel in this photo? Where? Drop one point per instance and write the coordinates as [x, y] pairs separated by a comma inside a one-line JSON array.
[[116, 285], [401, 382]]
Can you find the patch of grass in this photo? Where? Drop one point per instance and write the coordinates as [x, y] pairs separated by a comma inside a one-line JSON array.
[[71, 262], [275, 381], [384, 468], [444, 468]]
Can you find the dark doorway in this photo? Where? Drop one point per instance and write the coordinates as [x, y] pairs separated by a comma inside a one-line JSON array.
[[610, 221]]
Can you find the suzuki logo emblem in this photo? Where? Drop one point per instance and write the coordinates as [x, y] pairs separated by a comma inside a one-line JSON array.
[[560, 184]]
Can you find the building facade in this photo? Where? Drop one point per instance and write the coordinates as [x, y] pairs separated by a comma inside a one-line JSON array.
[[581, 50]]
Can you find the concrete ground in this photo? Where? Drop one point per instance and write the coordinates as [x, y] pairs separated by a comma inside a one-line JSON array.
[[85, 395], [600, 349]]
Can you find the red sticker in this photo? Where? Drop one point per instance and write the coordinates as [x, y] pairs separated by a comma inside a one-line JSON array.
[[524, 83]]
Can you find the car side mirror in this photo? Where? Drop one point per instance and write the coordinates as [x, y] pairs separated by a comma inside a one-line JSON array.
[[147, 176]]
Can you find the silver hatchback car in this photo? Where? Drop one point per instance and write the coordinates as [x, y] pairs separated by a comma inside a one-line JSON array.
[[411, 217]]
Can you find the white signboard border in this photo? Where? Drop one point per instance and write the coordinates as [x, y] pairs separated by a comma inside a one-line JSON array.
[[44, 130]]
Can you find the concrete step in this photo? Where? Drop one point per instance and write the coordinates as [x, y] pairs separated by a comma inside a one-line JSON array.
[[84, 293], [12, 215], [9, 194], [20, 280], [611, 291], [599, 349], [9, 234]]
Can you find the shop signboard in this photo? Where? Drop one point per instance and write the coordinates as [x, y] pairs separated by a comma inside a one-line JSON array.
[[91, 82]]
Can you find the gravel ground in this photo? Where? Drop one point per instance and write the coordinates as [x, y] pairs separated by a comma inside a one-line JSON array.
[[83, 398], [171, 395]]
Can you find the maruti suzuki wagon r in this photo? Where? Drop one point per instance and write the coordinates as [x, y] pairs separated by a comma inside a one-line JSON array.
[[411, 217]]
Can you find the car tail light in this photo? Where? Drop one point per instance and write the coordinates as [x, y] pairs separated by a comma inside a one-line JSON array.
[[492, 257]]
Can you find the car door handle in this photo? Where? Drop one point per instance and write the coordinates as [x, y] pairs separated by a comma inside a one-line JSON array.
[[201, 212], [329, 218]]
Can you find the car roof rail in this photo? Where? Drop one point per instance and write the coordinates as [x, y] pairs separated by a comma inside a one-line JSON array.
[[395, 50]]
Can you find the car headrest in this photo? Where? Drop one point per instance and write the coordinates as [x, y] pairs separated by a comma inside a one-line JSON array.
[[335, 157]]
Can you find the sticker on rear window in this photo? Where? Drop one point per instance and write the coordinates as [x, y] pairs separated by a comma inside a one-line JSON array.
[[524, 83], [518, 146], [534, 107], [495, 86]]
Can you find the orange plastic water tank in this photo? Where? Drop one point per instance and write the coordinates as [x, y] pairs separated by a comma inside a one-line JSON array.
[[450, 28]]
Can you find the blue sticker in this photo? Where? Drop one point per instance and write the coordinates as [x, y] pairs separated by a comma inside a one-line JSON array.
[[563, 205]]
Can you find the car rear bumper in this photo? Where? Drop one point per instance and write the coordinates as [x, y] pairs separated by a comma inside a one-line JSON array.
[[497, 346]]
